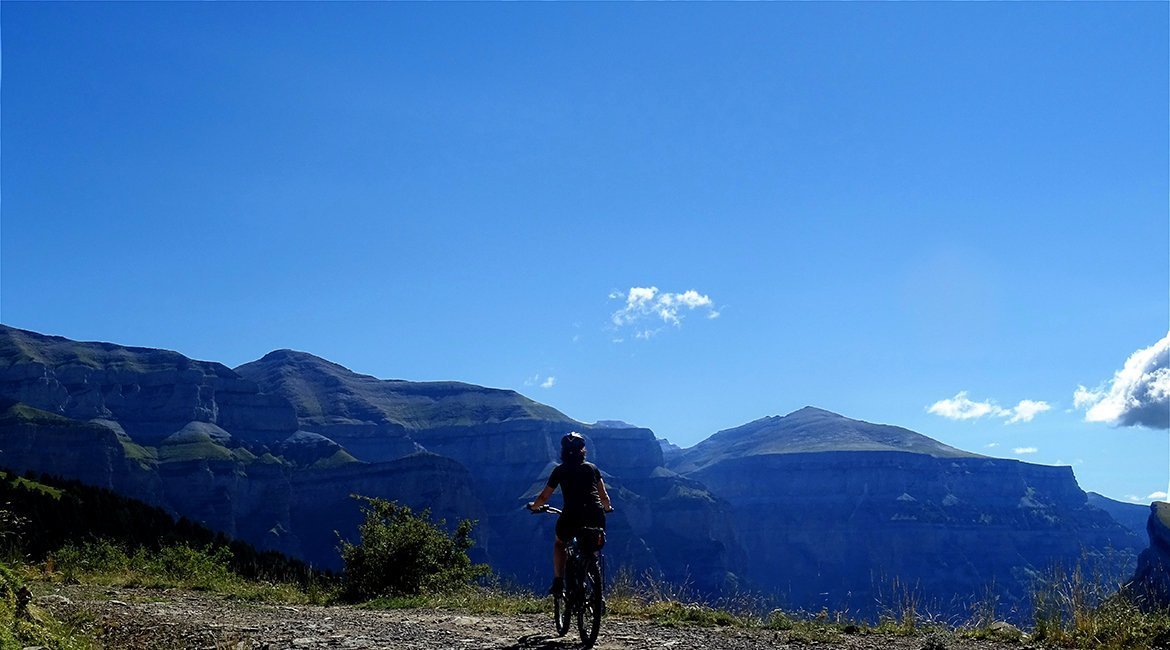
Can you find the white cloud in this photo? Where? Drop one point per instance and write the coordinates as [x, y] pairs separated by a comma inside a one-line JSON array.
[[992, 445], [1020, 451], [1154, 496], [648, 304], [961, 407], [1138, 394], [1026, 410], [543, 382]]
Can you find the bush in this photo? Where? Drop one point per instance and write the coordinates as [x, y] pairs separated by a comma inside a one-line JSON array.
[[404, 554], [195, 568], [177, 565]]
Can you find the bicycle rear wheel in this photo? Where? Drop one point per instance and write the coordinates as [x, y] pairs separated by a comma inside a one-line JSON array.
[[589, 615]]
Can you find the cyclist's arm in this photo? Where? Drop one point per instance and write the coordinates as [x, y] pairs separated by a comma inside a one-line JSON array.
[[604, 495], [542, 498]]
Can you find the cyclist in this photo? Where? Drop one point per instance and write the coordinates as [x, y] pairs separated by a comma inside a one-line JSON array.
[[586, 500]]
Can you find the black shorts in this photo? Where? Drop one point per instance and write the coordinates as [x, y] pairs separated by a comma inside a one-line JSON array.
[[569, 523]]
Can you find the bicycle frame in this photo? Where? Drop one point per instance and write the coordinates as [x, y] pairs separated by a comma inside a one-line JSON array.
[[583, 592]]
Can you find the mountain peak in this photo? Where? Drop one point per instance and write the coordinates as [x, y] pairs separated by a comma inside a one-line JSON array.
[[813, 410], [286, 355], [810, 430]]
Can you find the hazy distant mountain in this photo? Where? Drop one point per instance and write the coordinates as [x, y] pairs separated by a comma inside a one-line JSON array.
[[613, 424], [828, 509], [832, 509], [271, 452], [808, 430], [1131, 515]]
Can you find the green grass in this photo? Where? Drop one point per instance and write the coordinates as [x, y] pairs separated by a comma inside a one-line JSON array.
[[339, 458], [180, 566], [198, 447], [20, 413], [24, 625], [31, 485], [1085, 608]]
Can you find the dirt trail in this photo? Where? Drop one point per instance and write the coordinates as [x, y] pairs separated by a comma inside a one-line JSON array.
[[141, 618]]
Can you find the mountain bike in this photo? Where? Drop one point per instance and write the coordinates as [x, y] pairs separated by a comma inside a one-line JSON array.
[[584, 579]]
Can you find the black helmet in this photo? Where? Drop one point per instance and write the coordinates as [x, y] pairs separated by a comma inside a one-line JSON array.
[[572, 441]]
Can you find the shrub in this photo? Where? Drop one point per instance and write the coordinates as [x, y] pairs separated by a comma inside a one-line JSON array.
[[404, 554], [205, 568]]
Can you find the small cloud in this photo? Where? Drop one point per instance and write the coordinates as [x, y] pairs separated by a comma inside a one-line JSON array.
[[1021, 451], [643, 304], [1157, 496], [543, 382], [961, 407], [1026, 410], [1138, 394], [992, 445], [1134, 498]]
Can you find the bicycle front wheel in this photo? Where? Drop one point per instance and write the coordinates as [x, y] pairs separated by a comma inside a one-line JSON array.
[[592, 606], [562, 613]]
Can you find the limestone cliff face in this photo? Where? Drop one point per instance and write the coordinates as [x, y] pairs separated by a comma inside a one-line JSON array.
[[151, 394], [819, 508], [92, 452], [507, 444], [324, 508], [271, 452], [1151, 581], [836, 527]]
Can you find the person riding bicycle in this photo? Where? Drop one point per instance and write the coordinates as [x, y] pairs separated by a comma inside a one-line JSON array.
[[586, 500]]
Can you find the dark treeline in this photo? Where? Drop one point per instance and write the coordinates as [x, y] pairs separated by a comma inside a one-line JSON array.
[[39, 523]]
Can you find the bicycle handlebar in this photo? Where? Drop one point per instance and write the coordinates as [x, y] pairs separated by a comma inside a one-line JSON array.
[[554, 511]]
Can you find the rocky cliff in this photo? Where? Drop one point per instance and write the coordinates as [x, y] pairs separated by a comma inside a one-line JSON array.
[[815, 507], [508, 444], [271, 451], [842, 513], [1151, 580]]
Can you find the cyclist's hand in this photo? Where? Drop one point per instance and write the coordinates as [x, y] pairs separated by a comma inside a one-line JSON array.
[[608, 509], [530, 507]]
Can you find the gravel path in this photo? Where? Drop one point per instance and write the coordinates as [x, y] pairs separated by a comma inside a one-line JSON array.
[[140, 618]]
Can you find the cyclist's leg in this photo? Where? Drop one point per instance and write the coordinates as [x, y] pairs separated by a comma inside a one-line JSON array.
[[564, 532]]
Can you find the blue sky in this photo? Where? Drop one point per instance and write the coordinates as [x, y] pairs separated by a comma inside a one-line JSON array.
[[879, 209]]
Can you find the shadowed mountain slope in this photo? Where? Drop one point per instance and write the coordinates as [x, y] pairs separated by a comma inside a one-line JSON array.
[[272, 452]]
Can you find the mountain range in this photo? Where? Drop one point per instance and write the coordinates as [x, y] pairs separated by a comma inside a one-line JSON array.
[[813, 508]]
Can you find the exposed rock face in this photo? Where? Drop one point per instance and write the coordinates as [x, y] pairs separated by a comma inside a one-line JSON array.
[[1131, 515], [507, 444], [1151, 581], [828, 510], [148, 392], [96, 453], [272, 451], [835, 527]]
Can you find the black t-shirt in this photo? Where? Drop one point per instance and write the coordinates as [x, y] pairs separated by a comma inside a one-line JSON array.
[[578, 483]]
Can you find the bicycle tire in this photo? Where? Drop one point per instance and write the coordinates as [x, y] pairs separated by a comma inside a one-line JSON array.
[[592, 606], [562, 614]]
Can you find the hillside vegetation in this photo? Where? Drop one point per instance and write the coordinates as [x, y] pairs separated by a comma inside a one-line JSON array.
[[57, 532]]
